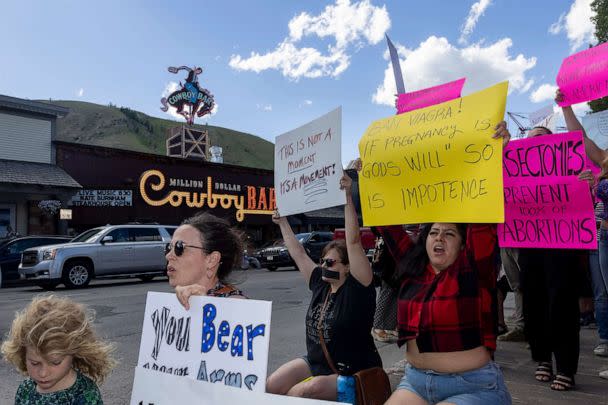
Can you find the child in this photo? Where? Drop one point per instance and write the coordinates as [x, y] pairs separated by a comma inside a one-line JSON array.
[[52, 340]]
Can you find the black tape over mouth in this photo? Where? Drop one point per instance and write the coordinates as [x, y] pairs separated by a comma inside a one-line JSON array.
[[331, 274]]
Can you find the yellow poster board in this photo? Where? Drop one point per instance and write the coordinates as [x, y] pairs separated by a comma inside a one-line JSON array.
[[436, 164]]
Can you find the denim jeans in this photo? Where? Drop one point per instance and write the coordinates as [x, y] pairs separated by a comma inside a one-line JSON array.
[[599, 282], [484, 385]]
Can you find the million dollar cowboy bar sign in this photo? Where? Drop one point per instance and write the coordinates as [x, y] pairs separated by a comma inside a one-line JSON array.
[[157, 189]]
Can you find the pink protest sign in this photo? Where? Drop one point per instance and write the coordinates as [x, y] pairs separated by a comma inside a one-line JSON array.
[[584, 75], [546, 206], [431, 96]]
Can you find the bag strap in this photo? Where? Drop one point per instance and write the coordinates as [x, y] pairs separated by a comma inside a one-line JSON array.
[[320, 332]]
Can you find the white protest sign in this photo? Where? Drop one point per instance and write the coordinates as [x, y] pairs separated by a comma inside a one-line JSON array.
[[539, 115], [220, 340], [308, 166], [153, 388], [596, 127]]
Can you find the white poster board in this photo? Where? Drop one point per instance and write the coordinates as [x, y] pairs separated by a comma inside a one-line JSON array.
[[596, 126], [220, 340], [308, 166], [153, 388], [537, 117]]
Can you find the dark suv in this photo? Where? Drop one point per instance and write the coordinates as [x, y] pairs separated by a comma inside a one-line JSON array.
[[10, 253], [276, 255]]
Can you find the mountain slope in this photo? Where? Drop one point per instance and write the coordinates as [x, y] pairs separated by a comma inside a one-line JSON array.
[[123, 128]]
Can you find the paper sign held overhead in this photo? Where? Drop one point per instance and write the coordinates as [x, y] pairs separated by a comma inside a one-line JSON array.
[[431, 96], [584, 75], [308, 166], [546, 206], [438, 163], [596, 127]]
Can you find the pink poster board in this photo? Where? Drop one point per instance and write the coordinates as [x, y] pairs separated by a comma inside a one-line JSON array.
[[584, 75], [431, 96], [546, 206]]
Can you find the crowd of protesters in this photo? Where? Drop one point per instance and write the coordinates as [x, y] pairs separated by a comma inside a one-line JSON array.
[[441, 293]]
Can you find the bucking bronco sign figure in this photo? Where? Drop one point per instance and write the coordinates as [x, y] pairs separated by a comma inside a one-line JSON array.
[[190, 100]]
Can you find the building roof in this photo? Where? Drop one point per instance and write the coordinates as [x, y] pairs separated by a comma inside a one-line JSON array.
[[42, 174], [20, 104]]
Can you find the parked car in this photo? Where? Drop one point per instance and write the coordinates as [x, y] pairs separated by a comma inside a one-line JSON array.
[[11, 250], [112, 250], [368, 240], [276, 255]]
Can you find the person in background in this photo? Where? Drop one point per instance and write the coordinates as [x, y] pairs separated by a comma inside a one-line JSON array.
[[201, 256], [509, 257], [52, 341], [340, 314], [599, 274], [385, 318]]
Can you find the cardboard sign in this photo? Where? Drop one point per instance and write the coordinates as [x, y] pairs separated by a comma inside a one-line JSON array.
[[584, 75], [437, 164], [541, 116], [546, 206], [596, 127], [152, 388], [308, 166], [219, 340], [431, 96]]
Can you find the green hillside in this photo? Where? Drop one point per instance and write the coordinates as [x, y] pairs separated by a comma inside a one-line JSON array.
[[123, 128]]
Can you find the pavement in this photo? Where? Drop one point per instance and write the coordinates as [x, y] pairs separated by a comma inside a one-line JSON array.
[[518, 369]]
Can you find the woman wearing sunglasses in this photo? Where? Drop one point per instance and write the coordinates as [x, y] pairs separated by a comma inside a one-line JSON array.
[[201, 256], [341, 312]]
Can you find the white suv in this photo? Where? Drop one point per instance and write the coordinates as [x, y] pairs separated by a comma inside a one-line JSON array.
[[112, 250]]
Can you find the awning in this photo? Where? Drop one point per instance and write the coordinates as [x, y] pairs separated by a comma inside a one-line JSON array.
[[30, 173]]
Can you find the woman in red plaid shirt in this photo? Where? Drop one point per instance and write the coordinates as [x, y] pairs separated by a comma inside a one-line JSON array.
[[446, 312]]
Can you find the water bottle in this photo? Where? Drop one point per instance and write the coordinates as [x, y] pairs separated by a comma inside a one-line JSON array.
[[346, 389]]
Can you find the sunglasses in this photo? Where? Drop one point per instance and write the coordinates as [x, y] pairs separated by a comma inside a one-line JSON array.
[[178, 247], [329, 263]]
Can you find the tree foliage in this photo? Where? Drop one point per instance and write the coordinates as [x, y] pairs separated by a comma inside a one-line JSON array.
[[600, 19]]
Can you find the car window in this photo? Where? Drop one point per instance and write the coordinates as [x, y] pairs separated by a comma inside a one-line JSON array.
[[315, 239], [144, 234], [170, 231], [20, 245], [88, 236], [119, 235]]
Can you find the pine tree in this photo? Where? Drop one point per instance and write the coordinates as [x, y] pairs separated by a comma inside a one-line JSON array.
[[600, 7]]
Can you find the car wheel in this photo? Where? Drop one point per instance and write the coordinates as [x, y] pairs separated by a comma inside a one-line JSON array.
[[77, 274], [146, 278], [271, 268]]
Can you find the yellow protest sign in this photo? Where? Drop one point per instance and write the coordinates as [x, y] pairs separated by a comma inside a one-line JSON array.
[[436, 164]]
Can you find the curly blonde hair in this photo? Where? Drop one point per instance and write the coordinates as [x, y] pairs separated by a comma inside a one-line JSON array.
[[59, 326]]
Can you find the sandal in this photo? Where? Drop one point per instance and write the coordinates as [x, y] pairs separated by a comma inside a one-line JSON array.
[[544, 372], [562, 383]]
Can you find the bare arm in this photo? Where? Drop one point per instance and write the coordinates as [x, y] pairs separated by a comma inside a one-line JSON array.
[[295, 248], [594, 152], [360, 267]]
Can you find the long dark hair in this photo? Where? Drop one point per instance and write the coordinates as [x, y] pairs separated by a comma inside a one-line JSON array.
[[415, 261]]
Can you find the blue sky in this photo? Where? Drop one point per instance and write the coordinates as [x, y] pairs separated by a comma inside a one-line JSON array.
[[274, 65]]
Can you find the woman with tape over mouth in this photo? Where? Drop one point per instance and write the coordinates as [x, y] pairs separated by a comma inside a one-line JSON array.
[[340, 314]]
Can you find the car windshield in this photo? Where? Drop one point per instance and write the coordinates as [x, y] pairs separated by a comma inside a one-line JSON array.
[[87, 236], [301, 237]]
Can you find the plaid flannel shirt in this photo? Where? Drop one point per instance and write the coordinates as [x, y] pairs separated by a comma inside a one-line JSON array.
[[454, 310]]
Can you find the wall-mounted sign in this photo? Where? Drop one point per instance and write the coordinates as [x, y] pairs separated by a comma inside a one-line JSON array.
[[190, 100], [156, 191], [65, 213], [102, 198]]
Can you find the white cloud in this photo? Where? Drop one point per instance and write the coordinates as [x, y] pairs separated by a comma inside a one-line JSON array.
[[306, 103], [436, 61], [80, 92], [350, 26], [576, 24], [264, 107], [543, 92], [173, 86], [476, 11]]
